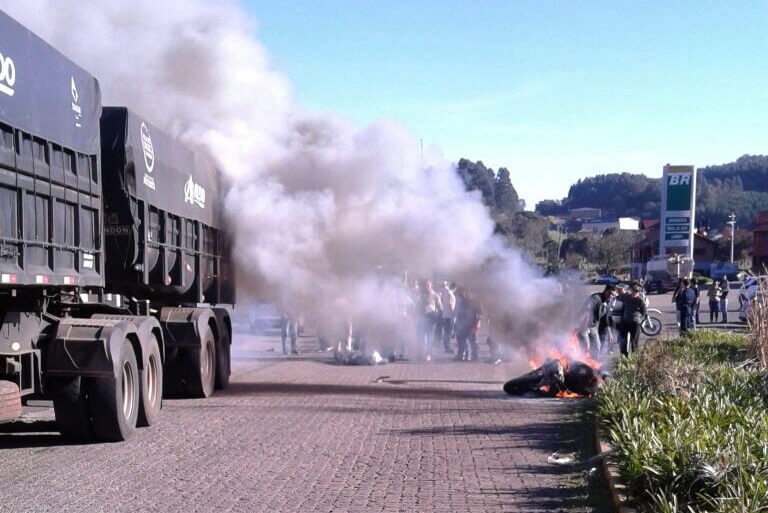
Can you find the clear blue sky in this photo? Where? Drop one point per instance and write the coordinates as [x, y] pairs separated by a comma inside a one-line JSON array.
[[553, 90]]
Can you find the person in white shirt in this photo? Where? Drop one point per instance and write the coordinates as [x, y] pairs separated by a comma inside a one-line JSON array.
[[448, 298], [429, 307]]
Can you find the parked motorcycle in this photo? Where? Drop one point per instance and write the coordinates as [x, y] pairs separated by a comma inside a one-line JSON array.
[[652, 322]]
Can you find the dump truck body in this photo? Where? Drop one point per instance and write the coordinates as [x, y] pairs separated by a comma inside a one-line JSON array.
[[102, 329]]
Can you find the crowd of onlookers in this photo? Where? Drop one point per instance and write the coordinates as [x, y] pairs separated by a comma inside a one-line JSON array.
[[452, 312], [687, 299], [428, 319], [618, 312]]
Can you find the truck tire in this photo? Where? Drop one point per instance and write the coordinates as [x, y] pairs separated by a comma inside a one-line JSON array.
[[223, 363], [114, 401], [200, 367], [70, 406], [10, 401], [151, 386]]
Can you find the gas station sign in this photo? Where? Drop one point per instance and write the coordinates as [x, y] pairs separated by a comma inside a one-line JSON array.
[[678, 206]]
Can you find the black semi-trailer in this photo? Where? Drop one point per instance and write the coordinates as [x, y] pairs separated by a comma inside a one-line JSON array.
[[115, 283]]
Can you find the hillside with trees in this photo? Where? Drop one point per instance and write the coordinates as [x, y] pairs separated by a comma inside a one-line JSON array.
[[496, 188], [740, 187]]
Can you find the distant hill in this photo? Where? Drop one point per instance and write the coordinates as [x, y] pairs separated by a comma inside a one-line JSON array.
[[740, 187]]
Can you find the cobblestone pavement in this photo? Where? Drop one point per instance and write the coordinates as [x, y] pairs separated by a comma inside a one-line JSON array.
[[302, 434]]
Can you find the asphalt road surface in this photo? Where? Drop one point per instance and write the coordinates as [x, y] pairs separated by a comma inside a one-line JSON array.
[[304, 434]]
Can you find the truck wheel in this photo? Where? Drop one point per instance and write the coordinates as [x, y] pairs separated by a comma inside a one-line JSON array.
[[151, 385], [70, 406], [201, 367], [114, 402], [10, 401], [223, 363]]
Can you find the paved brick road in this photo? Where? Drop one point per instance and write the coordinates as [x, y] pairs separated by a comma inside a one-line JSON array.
[[302, 434]]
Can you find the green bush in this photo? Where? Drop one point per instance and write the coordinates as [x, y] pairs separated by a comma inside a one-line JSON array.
[[688, 419]]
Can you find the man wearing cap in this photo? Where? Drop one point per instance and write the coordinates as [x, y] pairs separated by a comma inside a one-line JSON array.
[[595, 310]]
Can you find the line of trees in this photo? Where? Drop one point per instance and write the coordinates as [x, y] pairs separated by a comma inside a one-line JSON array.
[[740, 187]]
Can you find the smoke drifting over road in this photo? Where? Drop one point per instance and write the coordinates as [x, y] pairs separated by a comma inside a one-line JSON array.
[[328, 217]]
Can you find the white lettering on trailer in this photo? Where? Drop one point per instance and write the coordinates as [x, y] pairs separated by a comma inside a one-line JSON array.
[[194, 193], [7, 75], [121, 229], [75, 107], [149, 150]]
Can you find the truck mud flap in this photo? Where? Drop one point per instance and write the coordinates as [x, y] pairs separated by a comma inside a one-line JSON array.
[[87, 347], [146, 326], [183, 327]]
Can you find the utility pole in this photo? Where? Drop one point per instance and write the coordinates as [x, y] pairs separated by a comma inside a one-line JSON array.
[[732, 222]]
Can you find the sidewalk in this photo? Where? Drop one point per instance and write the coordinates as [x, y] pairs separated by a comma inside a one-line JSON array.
[[408, 436]]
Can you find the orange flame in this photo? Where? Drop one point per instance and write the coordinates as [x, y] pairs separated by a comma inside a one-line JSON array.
[[573, 352]]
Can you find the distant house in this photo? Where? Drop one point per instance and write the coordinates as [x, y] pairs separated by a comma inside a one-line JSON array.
[[703, 247], [584, 213], [760, 243], [598, 226]]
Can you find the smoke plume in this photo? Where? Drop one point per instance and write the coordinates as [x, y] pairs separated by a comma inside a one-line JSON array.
[[329, 218]]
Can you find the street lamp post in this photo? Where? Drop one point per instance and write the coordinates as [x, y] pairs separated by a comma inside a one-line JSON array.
[[732, 222]]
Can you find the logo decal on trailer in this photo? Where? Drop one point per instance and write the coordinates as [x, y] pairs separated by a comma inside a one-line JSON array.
[[149, 151], [75, 107], [149, 155], [194, 193], [7, 75]]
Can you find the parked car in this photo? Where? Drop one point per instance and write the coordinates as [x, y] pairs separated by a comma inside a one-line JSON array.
[[259, 318], [606, 279]]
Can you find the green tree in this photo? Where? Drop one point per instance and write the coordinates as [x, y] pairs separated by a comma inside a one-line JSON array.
[[506, 198], [477, 177], [525, 230], [612, 250]]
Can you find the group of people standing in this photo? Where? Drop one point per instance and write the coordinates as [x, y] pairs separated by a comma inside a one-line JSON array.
[[597, 328], [440, 316], [687, 299]]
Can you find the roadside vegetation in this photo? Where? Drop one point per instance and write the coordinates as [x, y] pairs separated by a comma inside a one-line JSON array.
[[688, 419]]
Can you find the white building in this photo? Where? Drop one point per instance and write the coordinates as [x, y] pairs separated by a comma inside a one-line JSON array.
[[598, 226]]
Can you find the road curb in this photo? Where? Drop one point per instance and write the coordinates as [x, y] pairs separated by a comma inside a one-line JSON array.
[[619, 491]]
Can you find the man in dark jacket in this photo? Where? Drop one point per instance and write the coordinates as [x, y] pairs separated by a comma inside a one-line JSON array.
[[631, 318], [595, 311], [685, 300]]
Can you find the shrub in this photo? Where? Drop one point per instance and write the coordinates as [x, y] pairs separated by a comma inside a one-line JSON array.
[[757, 319], [689, 423]]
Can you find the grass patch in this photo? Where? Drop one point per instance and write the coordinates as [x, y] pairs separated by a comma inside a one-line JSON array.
[[689, 422]]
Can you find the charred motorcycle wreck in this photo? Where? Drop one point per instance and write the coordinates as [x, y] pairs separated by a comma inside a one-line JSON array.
[[558, 378]]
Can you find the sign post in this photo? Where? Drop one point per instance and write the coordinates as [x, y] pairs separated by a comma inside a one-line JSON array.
[[678, 209]]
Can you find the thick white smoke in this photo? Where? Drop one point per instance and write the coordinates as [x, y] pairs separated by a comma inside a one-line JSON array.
[[328, 218]]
